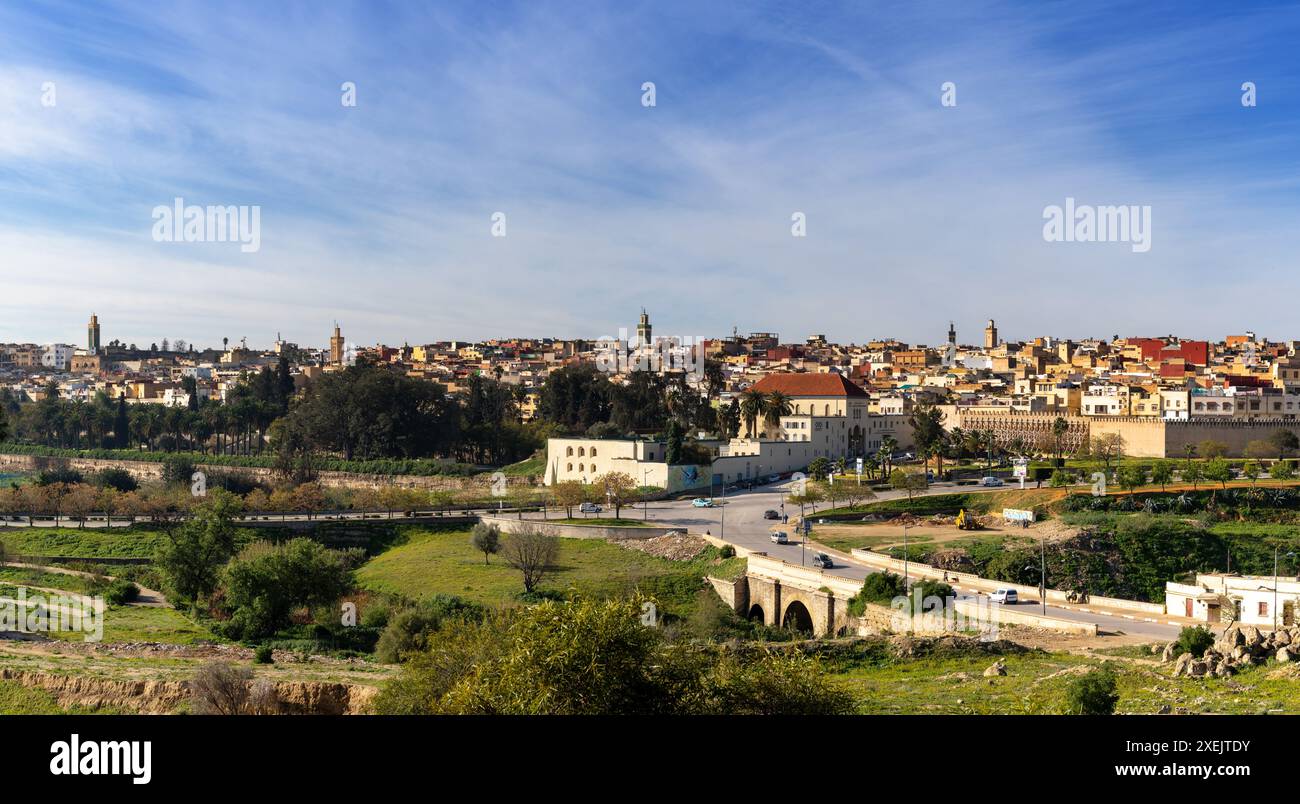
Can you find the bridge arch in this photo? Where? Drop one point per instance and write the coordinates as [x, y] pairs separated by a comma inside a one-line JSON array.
[[797, 618], [756, 613]]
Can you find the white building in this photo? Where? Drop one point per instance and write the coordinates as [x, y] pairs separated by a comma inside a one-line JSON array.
[[57, 356], [1260, 600]]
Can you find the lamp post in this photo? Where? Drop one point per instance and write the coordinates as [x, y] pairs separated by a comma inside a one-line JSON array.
[[904, 557], [645, 501]]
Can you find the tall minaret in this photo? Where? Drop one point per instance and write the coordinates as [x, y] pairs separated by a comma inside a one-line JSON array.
[[92, 334], [952, 333], [336, 346], [991, 335], [643, 329]]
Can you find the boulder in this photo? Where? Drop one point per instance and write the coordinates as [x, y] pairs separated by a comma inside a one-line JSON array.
[[1180, 666], [1198, 668], [1284, 655], [1168, 654], [1282, 637], [998, 668]]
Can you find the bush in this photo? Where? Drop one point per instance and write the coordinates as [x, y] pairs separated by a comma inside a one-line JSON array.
[[220, 689], [119, 479], [262, 655], [1194, 639], [121, 592], [65, 475], [266, 582], [726, 551], [177, 469], [878, 587], [1092, 694], [408, 630]]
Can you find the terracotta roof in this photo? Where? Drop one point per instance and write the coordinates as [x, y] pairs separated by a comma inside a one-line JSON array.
[[809, 385]]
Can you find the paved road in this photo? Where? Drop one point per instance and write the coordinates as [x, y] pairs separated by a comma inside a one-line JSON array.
[[738, 518]]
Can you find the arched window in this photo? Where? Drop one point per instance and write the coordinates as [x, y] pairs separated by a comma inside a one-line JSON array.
[[570, 469], [582, 468], [581, 451], [568, 453], [593, 452]]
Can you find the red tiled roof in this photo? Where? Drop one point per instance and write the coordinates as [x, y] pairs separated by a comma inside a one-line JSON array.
[[809, 385]]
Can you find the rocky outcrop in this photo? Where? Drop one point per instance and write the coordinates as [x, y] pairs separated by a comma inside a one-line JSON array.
[[1239, 646], [163, 697]]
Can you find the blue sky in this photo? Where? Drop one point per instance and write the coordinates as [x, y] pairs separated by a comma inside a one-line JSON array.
[[379, 216]]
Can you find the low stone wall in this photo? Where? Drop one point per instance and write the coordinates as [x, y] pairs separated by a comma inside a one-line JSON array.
[[509, 524], [1053, 595], [151, 470]]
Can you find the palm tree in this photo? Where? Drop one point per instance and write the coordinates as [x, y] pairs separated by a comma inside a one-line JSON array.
[[752, 404], [776, 406]]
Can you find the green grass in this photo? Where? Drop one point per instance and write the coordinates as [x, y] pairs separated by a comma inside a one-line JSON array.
[[955, 685], [531, 467], [82, 543], [432, 562], [16, 699]]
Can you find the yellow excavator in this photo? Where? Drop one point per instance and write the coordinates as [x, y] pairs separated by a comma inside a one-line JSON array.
[[965, 521]]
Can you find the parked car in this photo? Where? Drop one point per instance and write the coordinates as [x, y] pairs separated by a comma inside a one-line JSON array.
[[822, 560], [773, 478], [991, 481], [589, 508], [702, 502], [1005, 596], [780, 537], [770, 514]]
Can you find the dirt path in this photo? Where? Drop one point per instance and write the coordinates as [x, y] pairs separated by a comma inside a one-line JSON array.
[[148, 597]]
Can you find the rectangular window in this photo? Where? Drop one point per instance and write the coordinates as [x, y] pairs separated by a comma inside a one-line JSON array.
[[1263, 609]]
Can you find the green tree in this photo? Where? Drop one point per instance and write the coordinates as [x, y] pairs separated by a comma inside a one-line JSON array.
[[1193, 473], [191, 556], [1194, 639], [818, 468], [1132, 477], [266, 582], [1162, 473], [1281, 470], [1251, 471], [1217, 471], [1284, 441], [752, 405], [1060, 427], [911, 483], [485, 538]]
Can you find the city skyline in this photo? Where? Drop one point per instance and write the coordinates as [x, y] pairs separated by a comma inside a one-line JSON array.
[[381, 214]]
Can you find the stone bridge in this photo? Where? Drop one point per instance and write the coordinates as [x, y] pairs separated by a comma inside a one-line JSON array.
[[785, 596]]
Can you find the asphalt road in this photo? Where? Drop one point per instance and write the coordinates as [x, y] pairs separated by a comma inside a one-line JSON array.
[[738, 518]]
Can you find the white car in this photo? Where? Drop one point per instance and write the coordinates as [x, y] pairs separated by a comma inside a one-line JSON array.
[[991, 481], [589, 508], [1005, 596], [702, 502], [780, 537]]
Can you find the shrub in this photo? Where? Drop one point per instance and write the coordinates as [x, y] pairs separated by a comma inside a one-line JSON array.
[[119, 479], [408, 630], [1194, 639], [262, 655], [120, 592], [177, 469], [878, 587], [1092, 694], [220, 689], [726, 551]]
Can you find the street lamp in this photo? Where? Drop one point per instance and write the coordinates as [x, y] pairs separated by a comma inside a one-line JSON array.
[[645, 501]]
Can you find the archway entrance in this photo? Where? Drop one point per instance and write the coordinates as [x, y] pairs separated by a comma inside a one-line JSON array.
[[797, 618], [756, 613]]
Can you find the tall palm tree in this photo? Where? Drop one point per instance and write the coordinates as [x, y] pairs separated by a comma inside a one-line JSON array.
[[775, 406], [752, 405]]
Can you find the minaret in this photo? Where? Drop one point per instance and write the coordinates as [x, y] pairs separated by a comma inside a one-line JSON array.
[[643, 329], [991, 335], [92, 334], [336, 346], [952, 333]]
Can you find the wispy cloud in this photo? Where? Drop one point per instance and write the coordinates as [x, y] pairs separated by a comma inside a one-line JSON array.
[[379, 215]]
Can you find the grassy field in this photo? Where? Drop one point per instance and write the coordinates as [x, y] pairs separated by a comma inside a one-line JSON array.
[[432, 562], [82, 543], [1036, 683]]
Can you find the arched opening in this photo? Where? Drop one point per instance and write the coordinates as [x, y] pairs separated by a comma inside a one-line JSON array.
[[797, 618], [756, 613]]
